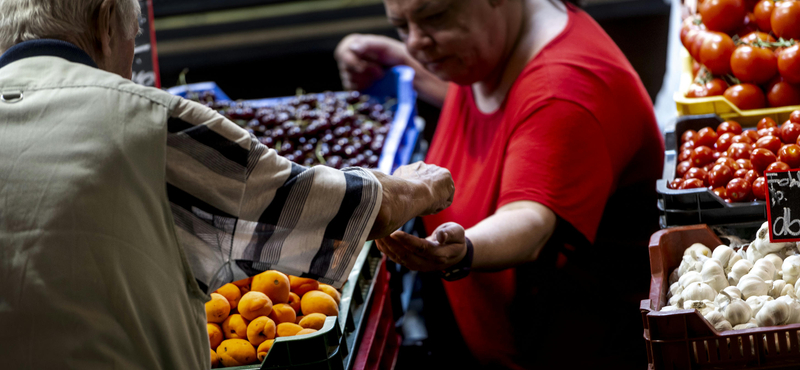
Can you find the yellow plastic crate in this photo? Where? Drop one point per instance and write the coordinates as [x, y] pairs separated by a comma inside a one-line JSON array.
[[719, 105]]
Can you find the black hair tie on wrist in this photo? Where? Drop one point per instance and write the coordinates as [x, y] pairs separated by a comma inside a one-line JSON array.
[[461, 269]]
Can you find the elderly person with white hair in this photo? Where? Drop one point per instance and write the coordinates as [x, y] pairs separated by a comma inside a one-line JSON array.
[[122, 206]]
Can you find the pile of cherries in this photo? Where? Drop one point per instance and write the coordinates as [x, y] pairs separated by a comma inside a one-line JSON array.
[[731, 162], [336, 130]]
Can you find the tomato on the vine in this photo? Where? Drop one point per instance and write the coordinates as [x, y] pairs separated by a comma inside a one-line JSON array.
[[719, 175], [715, 53], [790, 154], [784, 20], [705, 137], [739, 190], [723, 15], [771, 143], [781, 93], [754, 64], [749, 24], [716, 87], [789, 63], [697, 90], [746, 96], [760, 189], [755, 36], [732, 127], [763, 12]]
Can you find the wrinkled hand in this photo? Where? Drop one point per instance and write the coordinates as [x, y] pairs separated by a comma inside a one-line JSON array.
[[444, 248], [437, 179], [363, 58]]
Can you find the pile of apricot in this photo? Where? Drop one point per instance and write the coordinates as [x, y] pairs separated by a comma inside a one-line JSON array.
[[246, 316]]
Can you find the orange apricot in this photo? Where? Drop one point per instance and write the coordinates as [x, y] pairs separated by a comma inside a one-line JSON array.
[[331, 291], [215, 336], [317, 301], [288, 329], [231, 293], [294, 301], [302, 285], [236, 352], [235, 327], [306, 331], [313, 321], [261, 329], [214, 359], [263, 349], [298, 319], [243, 282], [274, 284], [217, 309], [254, 304], [282, 312]]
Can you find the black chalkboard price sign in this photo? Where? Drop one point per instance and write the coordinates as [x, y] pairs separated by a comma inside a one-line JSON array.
[[783, 205], [145, 59]]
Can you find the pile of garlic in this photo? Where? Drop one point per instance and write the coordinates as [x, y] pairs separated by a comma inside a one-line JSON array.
[[755, 286]]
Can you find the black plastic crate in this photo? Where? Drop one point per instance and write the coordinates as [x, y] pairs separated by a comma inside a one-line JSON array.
[[698, 206]]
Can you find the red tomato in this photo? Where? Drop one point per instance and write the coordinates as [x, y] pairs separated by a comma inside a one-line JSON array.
[[790, 154], [692, 184], [717, 155], [771, 143], [795, 117], [761, 158], [785, 20], [754, 64], [715, 53], [705, 137], [789, 132], [696, 42], [741, 139], [697, 91], [732, 127], [760, 188], [689, 135], [753, 36], [739, 190], [675, 184], [789, 63], [716, 87], [749, 24], [751, 134], [766, 122], [696, 173], [687, 145], [721, 192], [744, 164], [723, 15], [719, 175], [723, 142], [682, 168], [763, 12], [739, 174], [702, 156], [769, 131], [751, 176], [781, 93], [728, 162], [778, 166], [685, 155], [746, 96], [740, 151]]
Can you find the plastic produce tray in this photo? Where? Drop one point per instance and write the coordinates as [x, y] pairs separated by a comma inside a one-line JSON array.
[[333, 346], [716, 104], [696, 206], [683, 339], [398, 83]]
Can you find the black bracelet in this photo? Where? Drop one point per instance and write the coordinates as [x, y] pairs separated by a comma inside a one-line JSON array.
[[461, 269]]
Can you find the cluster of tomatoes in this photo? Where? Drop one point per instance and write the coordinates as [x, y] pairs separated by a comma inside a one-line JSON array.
[[750, 43], [731, 162]]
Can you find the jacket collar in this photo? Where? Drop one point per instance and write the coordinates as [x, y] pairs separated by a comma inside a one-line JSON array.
[[46, 47]]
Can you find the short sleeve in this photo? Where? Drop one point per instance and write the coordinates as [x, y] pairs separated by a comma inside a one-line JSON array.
[[558, 156]]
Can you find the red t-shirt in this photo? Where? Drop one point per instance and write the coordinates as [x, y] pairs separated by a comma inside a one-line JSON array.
[[576, 133]]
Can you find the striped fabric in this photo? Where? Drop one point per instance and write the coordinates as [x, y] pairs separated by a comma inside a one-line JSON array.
[[240, 209]]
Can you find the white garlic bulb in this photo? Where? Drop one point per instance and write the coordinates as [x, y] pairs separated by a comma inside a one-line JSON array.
[[699, 249], [763, 268], [723, 325], [704, 306], [676, 301], [689, 263], [698, 292], [747, 325], [733, 291], [737, 312], [788, 291], [723, 253], [777, 288], [739, 269], [669, 308], [674, 289], [752, 285], [732, 262], [714, 317], [794, 309], [753, 254], [673, 277], [690, 277], [714, 275], [791, 269], [757, 302], [777, 262], [773, 313]]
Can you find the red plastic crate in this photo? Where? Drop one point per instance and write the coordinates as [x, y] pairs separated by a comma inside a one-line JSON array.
[[683, 339], [380, 343]]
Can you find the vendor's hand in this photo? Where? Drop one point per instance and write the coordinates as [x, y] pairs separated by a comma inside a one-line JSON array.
[[437, 179], [444, 248], [363, 58]]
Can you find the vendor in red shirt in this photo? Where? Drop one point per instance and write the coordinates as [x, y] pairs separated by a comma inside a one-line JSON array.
[[554, 148]]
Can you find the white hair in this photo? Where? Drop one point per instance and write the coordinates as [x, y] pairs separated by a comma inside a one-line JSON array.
[[24, 20]]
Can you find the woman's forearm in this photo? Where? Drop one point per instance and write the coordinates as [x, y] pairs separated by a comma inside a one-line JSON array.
[[514, 235]]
